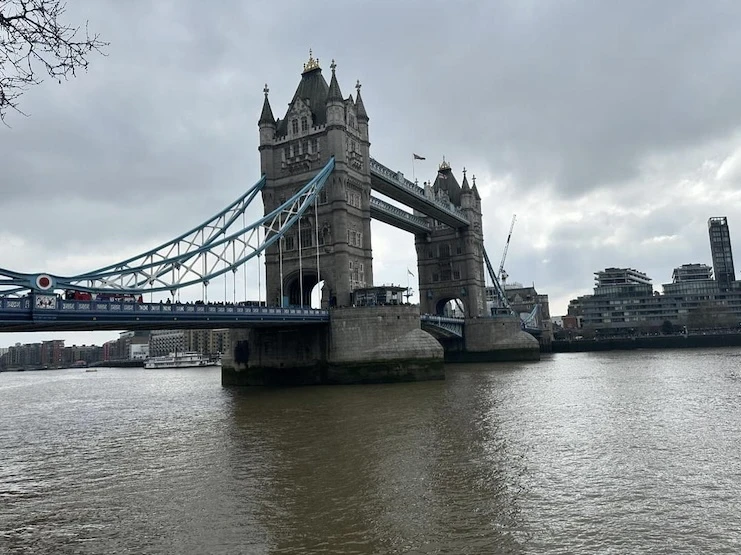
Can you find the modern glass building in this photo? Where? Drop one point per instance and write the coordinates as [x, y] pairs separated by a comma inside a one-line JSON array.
[[720, 249], [692, 272]]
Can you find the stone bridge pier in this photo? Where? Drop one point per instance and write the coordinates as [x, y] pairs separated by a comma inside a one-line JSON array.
[[359, 345]]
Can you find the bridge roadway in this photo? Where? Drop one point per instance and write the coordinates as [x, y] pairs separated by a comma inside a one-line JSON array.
[[51, 313]]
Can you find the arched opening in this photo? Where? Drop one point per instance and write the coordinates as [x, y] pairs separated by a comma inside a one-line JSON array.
[[450, 308], [298, 289]]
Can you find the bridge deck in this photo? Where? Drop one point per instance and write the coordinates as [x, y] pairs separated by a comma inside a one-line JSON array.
[[62, 315]]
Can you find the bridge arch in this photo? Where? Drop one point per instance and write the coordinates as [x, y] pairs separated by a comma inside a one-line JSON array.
[[450, 307], [297, 284]]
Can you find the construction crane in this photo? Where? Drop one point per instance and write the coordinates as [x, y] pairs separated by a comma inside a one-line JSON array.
[[497, 286], [502, 274]]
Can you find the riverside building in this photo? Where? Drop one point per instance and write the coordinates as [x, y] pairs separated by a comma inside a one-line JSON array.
[[720, 249], [630, 303], [624, 300]]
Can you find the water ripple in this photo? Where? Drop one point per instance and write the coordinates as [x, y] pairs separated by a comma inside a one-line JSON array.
[[580, 453]]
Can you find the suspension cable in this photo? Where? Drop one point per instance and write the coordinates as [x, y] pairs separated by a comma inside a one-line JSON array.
[[300, 268], [244, 265], [280, 259], [259, 274], [203, 258], [316, 234]]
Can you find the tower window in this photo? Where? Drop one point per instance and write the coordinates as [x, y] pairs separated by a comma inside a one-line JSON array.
[[306, 240], [304, 124], [294, 126]]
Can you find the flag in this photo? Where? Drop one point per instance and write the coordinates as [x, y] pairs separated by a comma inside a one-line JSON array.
[[441, 176], [410, 272], [418, 157]]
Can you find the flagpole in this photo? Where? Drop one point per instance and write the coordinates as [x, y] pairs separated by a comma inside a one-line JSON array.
[[414, 174]]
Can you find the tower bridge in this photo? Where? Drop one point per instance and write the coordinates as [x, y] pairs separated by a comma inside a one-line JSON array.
[[317, 187]]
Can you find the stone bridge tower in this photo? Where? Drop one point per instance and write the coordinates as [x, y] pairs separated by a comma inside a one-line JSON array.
[[450, 261], [319, 123]]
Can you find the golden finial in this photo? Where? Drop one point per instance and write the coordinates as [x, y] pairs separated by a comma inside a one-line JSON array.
[[444, 165], [312, 63]]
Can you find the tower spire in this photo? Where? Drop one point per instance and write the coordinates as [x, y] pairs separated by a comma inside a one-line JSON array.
[[334, 87], [474, 190], [359, 106], [266, 117], [465, 187]]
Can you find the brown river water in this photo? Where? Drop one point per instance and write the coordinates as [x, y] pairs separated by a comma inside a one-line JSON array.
[[619, 452]]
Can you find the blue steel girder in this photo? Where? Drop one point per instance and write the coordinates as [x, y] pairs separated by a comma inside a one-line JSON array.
[[451, 327], [395, 216], [49, 312], [395, 186], [217, 246]]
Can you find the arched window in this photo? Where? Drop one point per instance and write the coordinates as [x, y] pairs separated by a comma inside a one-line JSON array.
[[294, 126], [304, 124]]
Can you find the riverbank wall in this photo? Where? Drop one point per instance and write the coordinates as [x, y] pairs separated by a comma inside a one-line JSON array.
[[694, 341]]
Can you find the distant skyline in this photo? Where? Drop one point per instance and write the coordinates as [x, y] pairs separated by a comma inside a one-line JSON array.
[[612, 130]]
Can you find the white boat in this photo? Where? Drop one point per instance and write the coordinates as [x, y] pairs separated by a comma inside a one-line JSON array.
[[186, 359]]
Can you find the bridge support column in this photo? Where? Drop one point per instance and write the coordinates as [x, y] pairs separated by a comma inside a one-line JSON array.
[[361, 345], [376, 344], [499, 339], [276, 356]]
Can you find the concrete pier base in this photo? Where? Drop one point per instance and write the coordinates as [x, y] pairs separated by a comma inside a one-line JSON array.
[[361, 345], [499, 339]]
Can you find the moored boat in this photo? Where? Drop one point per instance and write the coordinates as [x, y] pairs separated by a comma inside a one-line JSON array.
[[186, 359]]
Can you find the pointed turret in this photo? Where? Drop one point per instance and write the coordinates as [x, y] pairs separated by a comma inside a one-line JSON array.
[[334, 87], [335, 103], [465, 187], [475, 190], [266, 117], [359, 106]]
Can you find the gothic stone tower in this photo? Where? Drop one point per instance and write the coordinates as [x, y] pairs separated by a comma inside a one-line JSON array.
[[450, 262], [319, 124]]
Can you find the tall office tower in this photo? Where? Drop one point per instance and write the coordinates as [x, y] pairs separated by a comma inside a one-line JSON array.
[[720, 248]]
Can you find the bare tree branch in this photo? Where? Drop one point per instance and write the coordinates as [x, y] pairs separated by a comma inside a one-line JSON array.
[[33, 39]]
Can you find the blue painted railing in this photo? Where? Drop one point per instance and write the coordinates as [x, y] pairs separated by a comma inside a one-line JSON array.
[[47, 309]]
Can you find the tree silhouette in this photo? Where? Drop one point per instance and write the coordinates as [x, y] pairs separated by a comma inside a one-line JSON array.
[[33, 40]]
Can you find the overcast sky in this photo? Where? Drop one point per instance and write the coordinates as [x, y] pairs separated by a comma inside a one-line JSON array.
[[612, 129]]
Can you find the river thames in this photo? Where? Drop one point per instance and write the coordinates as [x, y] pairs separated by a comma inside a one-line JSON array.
[[618, 452]]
